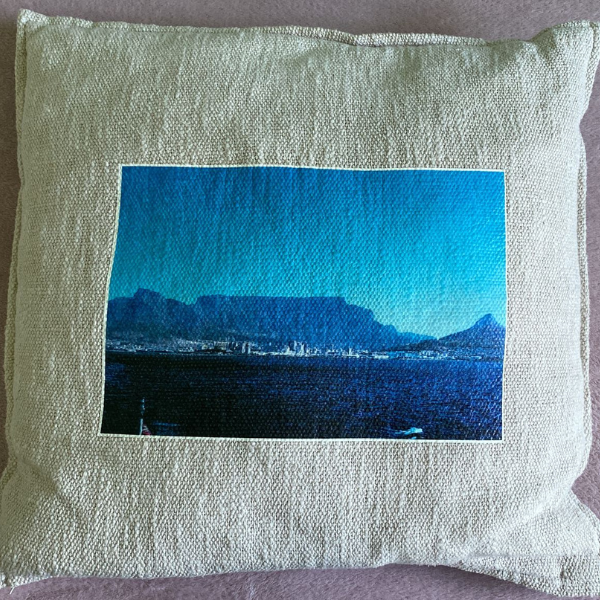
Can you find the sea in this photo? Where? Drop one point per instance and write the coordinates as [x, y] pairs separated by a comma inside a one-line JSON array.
[[274, 396]]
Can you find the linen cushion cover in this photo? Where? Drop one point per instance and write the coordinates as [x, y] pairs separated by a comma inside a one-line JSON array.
[[92, 97]]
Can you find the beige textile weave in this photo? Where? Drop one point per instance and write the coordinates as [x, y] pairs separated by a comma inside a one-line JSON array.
[[94, 96]]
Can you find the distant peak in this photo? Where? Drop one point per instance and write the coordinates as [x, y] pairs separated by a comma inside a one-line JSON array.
[[487, 320]]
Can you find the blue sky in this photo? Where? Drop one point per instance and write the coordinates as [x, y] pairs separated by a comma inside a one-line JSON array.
[[423, 249]]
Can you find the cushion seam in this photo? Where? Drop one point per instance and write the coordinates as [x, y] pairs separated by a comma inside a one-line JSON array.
[[20, 78], [315, 33]]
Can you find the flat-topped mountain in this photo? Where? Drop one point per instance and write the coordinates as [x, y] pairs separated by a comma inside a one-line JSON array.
[[321, 321]]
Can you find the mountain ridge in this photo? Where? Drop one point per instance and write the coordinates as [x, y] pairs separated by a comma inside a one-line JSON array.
[[279, 322], [322, 321]]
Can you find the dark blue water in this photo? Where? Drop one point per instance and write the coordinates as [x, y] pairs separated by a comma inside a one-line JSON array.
[[296, 397]]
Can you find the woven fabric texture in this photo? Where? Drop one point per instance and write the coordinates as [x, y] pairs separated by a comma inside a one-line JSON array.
[[91, 97]]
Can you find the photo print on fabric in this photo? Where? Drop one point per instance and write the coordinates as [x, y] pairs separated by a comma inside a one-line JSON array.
[[301, 302]]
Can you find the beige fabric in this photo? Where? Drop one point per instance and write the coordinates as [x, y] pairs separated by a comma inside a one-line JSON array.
[[93, 96]]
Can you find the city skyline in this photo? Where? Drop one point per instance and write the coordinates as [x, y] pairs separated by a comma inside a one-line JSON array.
[[267, 326]]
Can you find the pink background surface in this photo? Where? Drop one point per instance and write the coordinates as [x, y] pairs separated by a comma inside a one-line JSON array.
[[475, 18]]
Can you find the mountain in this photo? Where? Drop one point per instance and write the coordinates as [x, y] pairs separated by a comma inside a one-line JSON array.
[[321, 321], [485, 338], [486, 333]]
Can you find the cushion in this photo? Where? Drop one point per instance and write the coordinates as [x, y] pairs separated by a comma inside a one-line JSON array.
[[286, 297]]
